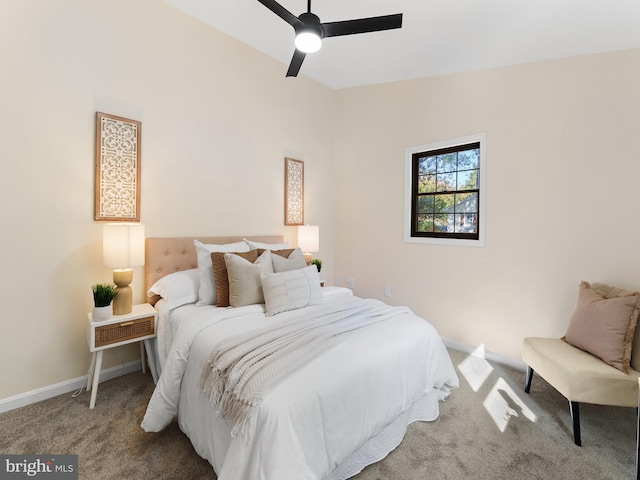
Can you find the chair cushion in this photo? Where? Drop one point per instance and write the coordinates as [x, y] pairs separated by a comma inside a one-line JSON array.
[[578, 375]]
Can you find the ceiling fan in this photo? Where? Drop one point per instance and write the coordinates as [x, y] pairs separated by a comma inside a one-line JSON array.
[[310, 31]]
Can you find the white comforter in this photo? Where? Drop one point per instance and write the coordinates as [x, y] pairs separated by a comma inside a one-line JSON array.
[[314, 422]]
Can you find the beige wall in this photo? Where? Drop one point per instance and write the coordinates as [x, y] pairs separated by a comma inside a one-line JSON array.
[[218, 118], [563, 173]]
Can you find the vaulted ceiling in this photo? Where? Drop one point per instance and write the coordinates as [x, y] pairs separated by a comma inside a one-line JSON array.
[[437, 36]]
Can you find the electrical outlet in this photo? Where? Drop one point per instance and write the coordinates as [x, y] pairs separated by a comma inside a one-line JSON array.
[[387, 290], [337, 281], [351, 283]]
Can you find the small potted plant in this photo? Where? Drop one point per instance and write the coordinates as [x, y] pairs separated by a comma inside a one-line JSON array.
[[318, 263], [103, 295]]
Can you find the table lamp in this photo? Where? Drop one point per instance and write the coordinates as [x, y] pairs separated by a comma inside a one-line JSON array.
[[309, 240], [122, 249]]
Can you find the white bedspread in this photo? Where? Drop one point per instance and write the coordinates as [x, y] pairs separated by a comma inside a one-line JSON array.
[[310, 424]]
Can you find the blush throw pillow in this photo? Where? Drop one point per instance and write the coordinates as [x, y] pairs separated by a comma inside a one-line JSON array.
[[207, 289], [604, 326], [245, 285], [612, 291], [291, 290]]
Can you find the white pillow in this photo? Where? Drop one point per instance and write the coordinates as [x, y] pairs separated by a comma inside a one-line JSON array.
[[269, 246], [291, 290], [295, 261], [178, 288], [245, 286], [207, 290]]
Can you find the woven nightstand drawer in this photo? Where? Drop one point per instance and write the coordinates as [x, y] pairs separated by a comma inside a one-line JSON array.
[[119, 332]]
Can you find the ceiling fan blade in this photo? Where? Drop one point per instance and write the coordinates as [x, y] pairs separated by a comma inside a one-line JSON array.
[[296, 63], [282, 12], [362, 25]]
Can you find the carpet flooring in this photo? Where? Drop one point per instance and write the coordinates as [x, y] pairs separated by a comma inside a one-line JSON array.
[[487, 429]]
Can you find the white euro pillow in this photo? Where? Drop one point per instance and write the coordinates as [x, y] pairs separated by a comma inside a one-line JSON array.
[[178, 288], [269, 246]]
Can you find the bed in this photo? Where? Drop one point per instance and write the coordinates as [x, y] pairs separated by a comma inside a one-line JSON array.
[[339, 400]]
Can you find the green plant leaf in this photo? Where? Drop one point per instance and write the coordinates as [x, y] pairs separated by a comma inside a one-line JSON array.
[[103, 294]]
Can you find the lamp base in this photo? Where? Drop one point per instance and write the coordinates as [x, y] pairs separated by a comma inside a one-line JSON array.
[[123, 303], [307, 258]]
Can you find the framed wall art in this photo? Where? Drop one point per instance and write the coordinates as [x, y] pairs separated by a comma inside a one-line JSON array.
[[293, 192], [117, 184]]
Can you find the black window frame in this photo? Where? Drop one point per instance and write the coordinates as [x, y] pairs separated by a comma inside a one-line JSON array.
[[415, 195]]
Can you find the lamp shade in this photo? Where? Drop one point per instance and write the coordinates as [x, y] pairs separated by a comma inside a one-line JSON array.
[[309, 238], [123, 245]]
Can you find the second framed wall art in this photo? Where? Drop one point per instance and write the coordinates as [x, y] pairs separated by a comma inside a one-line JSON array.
[[293, 192], [117, 168]]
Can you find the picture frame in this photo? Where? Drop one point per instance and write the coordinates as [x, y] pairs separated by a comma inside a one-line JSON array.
[[293, 192], [117, 168]]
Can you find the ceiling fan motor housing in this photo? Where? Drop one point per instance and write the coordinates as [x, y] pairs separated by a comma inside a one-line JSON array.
[[311, 23]]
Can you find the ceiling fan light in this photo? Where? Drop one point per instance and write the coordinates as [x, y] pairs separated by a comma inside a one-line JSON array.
[[308, 41]]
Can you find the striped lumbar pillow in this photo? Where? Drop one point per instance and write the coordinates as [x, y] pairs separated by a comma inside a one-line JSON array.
[[291, 290]]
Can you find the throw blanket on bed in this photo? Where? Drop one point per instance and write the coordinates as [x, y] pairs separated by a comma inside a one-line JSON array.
[[241, 370]]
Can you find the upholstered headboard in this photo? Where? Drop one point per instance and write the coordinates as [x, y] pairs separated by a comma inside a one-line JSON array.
[[173, 254]]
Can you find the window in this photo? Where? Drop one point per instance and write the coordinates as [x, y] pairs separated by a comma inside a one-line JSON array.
[[444, 192]]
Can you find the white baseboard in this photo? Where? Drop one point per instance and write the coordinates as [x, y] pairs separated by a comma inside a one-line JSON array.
[[44, 393], [494, 357], [61, 388]]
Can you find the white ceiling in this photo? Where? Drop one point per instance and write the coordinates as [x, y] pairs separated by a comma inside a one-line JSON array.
[[437, 36]]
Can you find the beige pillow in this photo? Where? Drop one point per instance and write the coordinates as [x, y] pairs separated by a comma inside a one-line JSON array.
[[294, 261], [286, 259], [220, 274], [207, 288], [604, 326], [245, 286]]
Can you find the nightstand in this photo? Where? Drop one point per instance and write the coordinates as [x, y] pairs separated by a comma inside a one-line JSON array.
[[138, 326]]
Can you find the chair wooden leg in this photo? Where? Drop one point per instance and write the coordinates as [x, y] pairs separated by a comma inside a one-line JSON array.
[[575, 418], [529, 377]]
